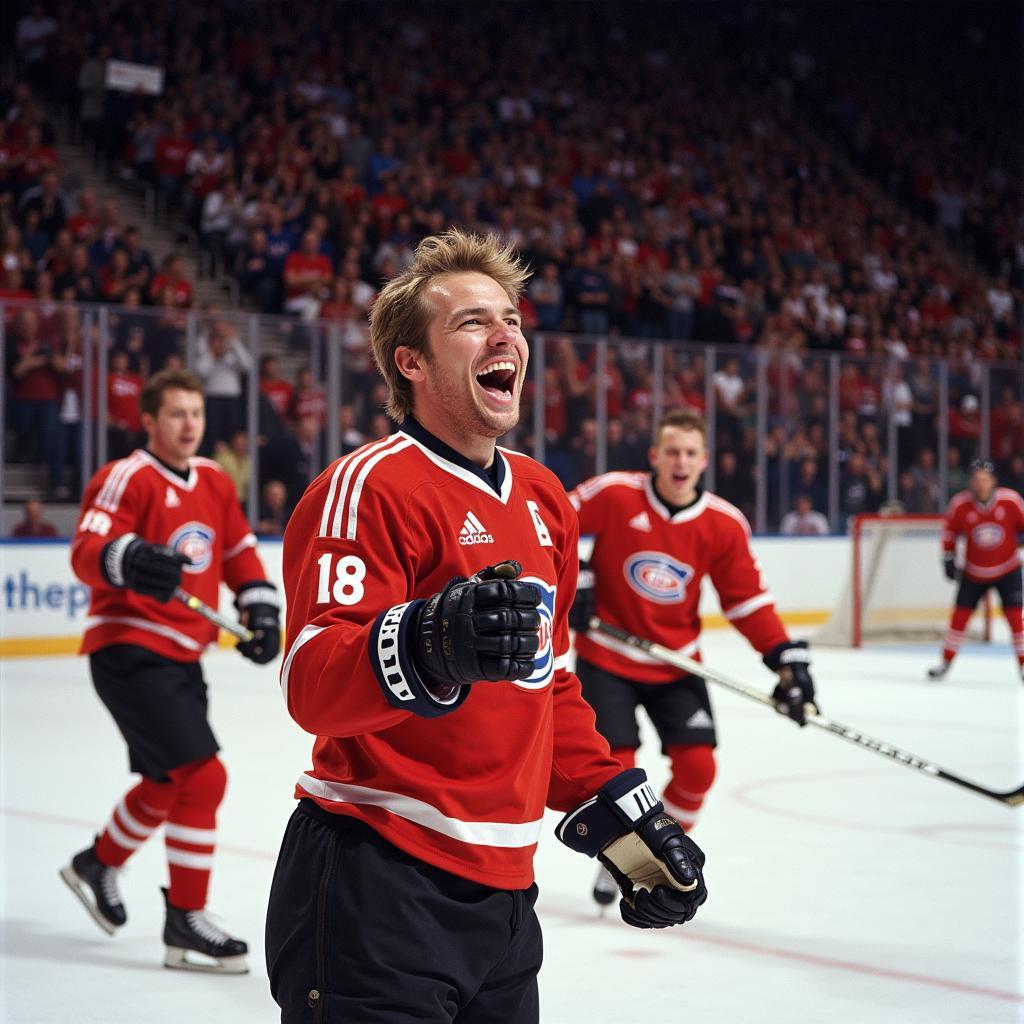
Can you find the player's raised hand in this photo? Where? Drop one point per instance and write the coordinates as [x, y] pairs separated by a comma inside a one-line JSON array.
[[659, 869], [150, 569], [484, 628]]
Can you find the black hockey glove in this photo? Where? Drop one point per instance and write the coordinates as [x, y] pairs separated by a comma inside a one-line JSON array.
[[259, 612], [949, 565], [795, 688], [585, 605], [481, 628], [149, 569], [658, 869]]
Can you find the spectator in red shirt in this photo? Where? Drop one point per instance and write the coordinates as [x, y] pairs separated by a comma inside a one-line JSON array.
[[307, 399], [34, 525], [171, 276], [307, 275], [124, 390], [36, 158], [114, 280], [169, 157], [84, 222], [35, 392], [965, 427], [387, 205], [350, 191], [275, 387]]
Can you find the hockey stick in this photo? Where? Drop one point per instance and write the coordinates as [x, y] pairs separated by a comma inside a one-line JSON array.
[[1013, 798], [201, 608]]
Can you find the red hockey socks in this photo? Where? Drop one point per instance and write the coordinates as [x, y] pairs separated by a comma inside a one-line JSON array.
[[139, 814], [192, 830], [693, 771], [1015, 617], [954, 637], [627, 755]]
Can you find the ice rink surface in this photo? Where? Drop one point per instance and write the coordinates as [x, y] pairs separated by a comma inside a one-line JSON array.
[[843, 887]]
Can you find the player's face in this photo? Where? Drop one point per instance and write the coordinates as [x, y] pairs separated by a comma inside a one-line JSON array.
[[177, 429], [468, 385], [678, 458], [983, 483]]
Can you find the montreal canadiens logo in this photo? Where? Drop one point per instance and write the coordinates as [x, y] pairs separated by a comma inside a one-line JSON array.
[[657, 576], [544, 663], [196, 541], [987, 535]]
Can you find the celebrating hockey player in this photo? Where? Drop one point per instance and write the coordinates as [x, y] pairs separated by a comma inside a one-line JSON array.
[[155, 520], [428, 579], [990, 518], [655, 536]]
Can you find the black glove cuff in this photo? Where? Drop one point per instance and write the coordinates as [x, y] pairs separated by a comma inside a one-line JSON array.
[[790, 653], [391, 655], [257, 592], [621, 805], [112, 562]]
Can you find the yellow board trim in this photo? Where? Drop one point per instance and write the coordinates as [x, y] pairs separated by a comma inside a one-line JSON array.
[[52, 646]]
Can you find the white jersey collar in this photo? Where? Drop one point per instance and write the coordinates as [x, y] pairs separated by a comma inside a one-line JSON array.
[[684, 515]]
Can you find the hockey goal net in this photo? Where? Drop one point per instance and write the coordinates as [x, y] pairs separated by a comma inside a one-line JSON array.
[[897, 589]]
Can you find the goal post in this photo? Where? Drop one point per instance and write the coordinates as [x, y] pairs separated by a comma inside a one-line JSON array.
[[897, 589]]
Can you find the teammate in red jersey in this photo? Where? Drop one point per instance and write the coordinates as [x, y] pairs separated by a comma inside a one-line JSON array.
[[445, 717], [156, 519], [655, 537], [991, 519]]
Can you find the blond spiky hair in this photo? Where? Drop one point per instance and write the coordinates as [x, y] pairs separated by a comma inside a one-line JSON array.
[[400, 316]]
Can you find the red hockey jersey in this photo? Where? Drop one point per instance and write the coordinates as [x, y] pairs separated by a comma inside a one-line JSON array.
[[464, 791], [649, 565], [198, 516], [991, 531]]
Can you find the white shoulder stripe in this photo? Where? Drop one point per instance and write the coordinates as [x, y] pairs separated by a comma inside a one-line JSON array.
[[721, 505], [1010, 495], [589, 488], [357, 490], [351, 464], [332, 490], [113, 487]]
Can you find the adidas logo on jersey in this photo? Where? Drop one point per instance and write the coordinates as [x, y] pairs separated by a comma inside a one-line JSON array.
[[474, 532], [700, 719], [641, 521], [171, 499]]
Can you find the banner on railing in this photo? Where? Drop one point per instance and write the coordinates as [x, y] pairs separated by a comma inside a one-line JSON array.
[[44, 608]]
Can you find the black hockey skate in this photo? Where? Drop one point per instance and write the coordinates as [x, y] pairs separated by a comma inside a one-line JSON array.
[[606, 891], [96, 886], [192, 932], [939, 671]]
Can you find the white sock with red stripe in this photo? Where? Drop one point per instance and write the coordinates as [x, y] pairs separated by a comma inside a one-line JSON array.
[[191, 832], [140, 813]]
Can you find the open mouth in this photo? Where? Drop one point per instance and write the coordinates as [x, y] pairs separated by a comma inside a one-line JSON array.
[[498, 380]]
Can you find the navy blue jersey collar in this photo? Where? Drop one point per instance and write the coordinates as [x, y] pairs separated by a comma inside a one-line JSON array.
[[493, 477]]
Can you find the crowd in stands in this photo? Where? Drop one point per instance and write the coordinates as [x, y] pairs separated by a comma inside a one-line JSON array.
[[663, 184]]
